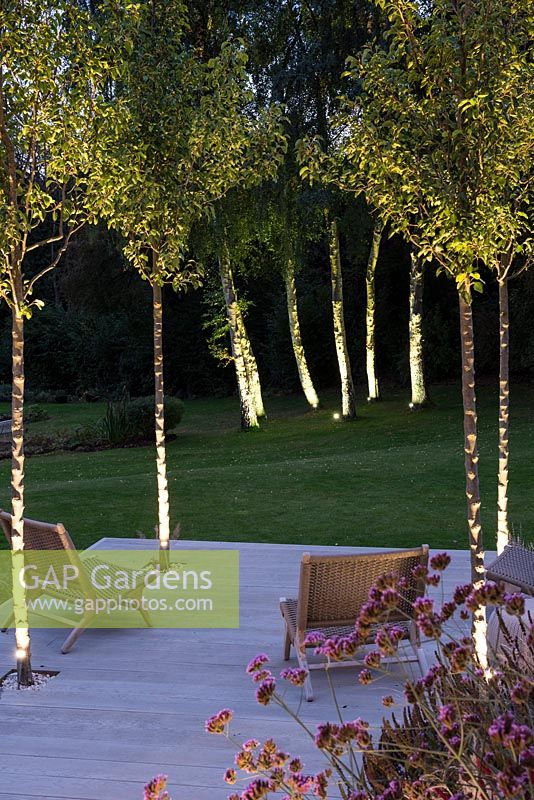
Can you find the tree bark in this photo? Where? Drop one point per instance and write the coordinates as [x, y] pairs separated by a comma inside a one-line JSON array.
[[372, 380], [296, 339], [159, 396], [249, 417], [251, 365], [22, 633], [348, 402], [472, 486], [503, 532], [417, 372]]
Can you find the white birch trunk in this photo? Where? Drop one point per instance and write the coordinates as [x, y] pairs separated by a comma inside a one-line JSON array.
[[370, 348], [417, 372], [251, 365], [22, 633], [348, 402], [296, 339], [159, 397], [249, 417], [472, 485], [503, 532]]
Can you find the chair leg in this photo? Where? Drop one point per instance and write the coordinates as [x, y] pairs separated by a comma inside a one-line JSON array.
[[303, 664], [287, 645], [75, 634], [421, 658]]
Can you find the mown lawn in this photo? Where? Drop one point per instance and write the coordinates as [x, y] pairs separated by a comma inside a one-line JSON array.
[[389, 478]]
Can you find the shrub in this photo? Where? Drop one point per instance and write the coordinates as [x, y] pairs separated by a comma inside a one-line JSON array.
[[35, 413], [141, 414], [116, 428], [464, 733], [127, 422]]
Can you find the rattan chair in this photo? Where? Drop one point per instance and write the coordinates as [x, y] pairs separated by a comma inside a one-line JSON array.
[[515, 566], [332, 590], [43, 536]]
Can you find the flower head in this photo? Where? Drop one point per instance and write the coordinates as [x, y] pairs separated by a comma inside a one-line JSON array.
[[294, 676], [265, 691], [257, 663], [219, 722], [440, 561], [155, 789]]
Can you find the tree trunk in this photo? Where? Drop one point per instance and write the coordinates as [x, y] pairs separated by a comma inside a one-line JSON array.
[[472, 486], [348, 402], [161, 459], [417, 372], [249, 417], [22, 633], [296, 339], [251, 365], [372, 380], [503, 533]]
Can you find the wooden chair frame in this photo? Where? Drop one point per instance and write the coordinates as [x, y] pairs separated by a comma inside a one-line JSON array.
[[47, 536], [332, 590]]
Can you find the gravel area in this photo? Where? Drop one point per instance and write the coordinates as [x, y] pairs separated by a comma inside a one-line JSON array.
[[9, 683]]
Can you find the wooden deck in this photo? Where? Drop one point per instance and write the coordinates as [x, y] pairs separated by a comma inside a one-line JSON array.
[[129, 704]]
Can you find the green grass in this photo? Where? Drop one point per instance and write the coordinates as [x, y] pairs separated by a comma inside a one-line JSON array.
[[391, 478]]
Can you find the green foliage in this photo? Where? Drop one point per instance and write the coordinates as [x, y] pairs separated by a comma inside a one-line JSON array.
[[126, 422], [140, 413], [50, 81], [116, 428], [180, 132], [441, 135], [35, 413]]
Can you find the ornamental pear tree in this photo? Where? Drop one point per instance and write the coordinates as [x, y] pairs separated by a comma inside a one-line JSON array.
[[181, 132], [442, 131], [51, 62]]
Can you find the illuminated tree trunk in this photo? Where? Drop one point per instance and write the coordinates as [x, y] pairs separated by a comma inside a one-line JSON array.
[[251, 365], [249, 417], [296, 339], [472, 486], [417, 372], [348, 402], [372, 380], [161, 459], [22, 633], [503, 533]]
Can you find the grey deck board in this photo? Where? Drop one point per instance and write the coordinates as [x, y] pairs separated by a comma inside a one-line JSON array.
[[130, 704]]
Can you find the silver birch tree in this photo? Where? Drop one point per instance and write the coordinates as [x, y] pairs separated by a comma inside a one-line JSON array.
[[419, 397], [348, 396], [305, 378], [370, 313]]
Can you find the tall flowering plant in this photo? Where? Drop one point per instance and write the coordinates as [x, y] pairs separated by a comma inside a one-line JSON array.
[[463, 732]]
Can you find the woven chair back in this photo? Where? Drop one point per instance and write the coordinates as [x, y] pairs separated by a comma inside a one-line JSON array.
[[333, 589]]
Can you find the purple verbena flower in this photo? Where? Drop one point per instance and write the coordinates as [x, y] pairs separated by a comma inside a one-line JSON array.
[[219, 722]]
